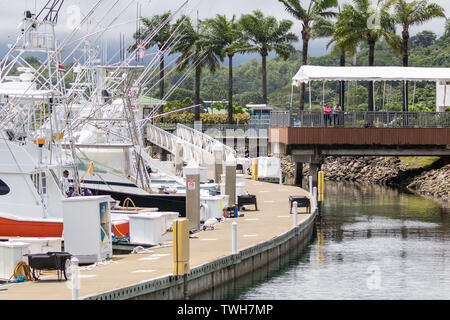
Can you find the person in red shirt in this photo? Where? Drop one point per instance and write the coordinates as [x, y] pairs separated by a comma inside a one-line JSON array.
[[327, 114]]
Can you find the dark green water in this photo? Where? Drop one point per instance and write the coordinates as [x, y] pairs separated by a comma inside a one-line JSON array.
[[372, 242]]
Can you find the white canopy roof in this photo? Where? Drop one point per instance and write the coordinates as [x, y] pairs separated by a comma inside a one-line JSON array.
[[309, 73]]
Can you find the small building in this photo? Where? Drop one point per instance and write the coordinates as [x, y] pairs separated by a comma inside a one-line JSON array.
[[260, 113], [146, 106]]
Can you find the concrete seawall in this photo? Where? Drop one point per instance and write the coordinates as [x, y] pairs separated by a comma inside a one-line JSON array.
[[204, 279]]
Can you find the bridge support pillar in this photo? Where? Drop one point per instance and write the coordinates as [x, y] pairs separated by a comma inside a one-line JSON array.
[[314, 169], [299, 174], [315, 159]]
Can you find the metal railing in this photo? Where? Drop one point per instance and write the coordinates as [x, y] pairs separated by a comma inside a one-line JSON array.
[[178, 146], [361, 119], [202, 140]]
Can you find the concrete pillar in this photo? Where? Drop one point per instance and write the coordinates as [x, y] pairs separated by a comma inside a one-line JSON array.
[[179, 157], [298, 174], [314, 169], [192, 174], [218, 162], [230, 180]]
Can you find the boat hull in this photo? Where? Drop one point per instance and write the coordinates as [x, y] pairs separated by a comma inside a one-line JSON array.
[[45, 229], [15, 228]]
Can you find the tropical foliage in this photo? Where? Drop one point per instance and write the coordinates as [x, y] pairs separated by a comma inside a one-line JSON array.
[[316, 13], [205, 44], [408, 14], [264, 35]]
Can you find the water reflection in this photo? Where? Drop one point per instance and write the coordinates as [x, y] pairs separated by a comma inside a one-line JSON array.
[[373, 242]]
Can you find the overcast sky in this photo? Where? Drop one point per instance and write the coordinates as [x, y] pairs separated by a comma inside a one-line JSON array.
[[12, 12]]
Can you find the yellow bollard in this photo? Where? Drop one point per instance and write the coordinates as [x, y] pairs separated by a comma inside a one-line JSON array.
[[181, 254], [321, 182], [255, 169]]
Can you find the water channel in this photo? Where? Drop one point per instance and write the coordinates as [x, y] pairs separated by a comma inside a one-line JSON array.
[[373, 242]]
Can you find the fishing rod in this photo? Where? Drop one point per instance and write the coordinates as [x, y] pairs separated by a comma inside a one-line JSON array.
[[59, 49], [176, 86]]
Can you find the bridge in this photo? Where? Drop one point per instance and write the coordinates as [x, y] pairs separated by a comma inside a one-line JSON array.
[[187, 144], [309, 136]]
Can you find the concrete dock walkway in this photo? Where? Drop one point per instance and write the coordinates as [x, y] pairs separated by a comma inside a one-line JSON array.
[[122, 271]]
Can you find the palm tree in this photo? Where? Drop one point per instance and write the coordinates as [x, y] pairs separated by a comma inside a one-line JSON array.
[[410, 14], [317, 9], [325, 28], [160, 40], [266, 34], [196, 51], [357, 24], [228, 35]]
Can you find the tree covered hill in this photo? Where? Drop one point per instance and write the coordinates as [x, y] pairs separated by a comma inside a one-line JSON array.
[[426, 51]]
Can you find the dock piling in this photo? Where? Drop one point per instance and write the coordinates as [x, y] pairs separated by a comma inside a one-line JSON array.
[[295, 205], [230, 180], [315, 196], [192, 173], [310, 178], [75, 277], [234, 238]]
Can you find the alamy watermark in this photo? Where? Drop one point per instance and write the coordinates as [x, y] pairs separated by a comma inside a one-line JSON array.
[[373, 282], [73, 17], [374, 21]]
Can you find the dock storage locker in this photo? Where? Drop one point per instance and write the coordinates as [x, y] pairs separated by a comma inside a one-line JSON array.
[[87, 227], [41, 245], [169, 218], [147, 228], [10, 254]]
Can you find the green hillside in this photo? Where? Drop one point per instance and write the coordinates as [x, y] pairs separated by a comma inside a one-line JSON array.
[[427, 50]]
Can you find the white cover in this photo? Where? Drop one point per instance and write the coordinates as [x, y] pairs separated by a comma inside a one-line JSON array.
[[269, 167], [319, 73]]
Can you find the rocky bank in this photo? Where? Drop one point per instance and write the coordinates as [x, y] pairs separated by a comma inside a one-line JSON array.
[[422, 175]]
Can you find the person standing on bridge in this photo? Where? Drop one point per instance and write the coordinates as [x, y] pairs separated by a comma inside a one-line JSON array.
[[327, 114], [337, 115]]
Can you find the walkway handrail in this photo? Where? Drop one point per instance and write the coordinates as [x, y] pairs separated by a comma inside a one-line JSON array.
[[178, 146], [361, 119], [202, 140]]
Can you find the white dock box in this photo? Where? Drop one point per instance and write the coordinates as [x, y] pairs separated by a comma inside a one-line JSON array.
[[214, 207], [10, 254], [269, 167], [169, 218], [41, 245], [147, 228], [87, 227]]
